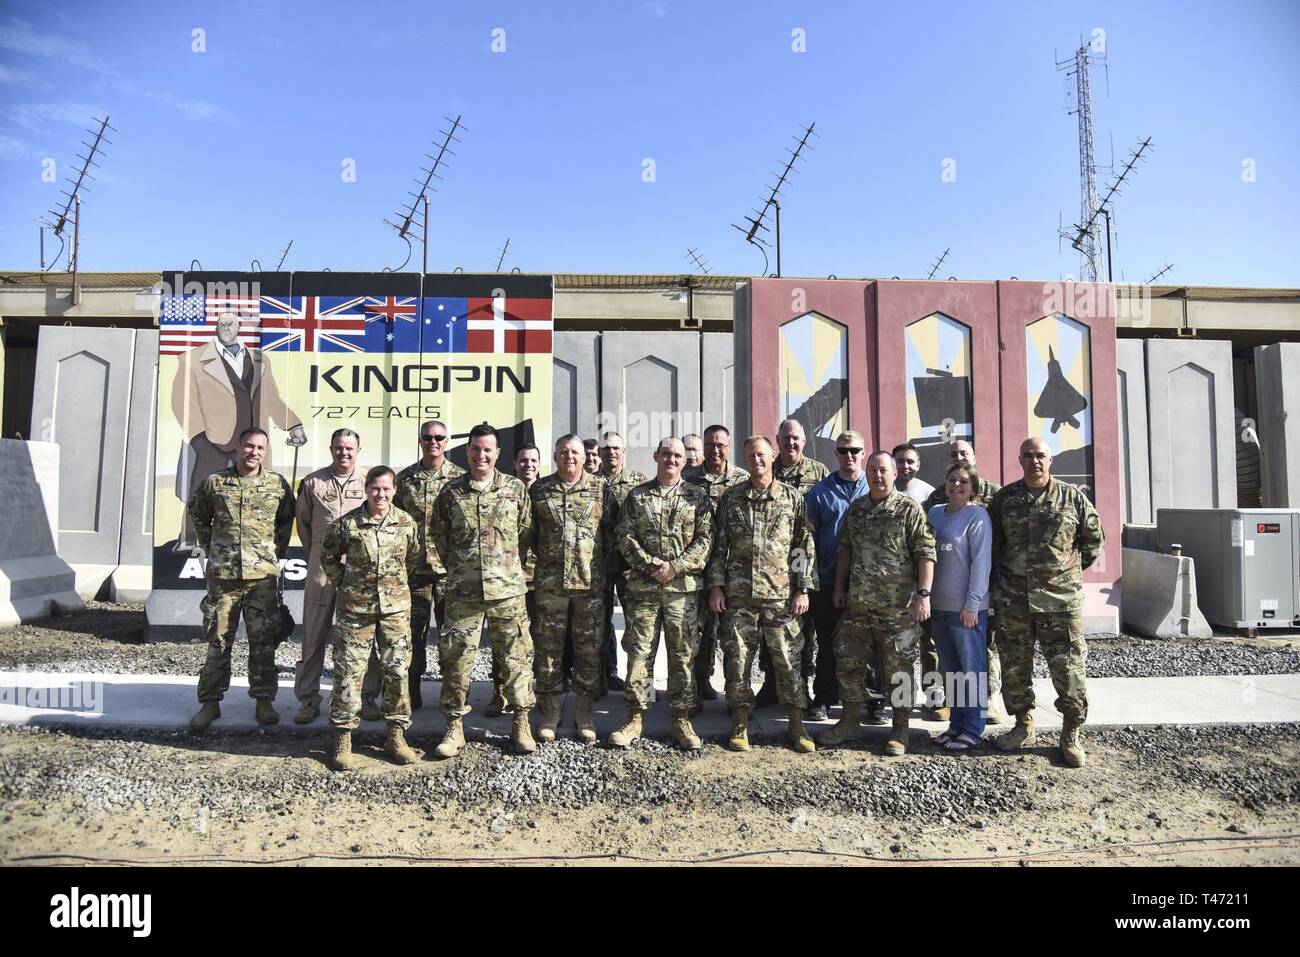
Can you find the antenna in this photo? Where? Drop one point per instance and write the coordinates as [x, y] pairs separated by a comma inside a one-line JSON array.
[[412, 214], [694, 256], [773, 201], [284, 255], [78, 182], [1104, 207], [502, 257], [1167, 267], [934, 268], [1078, 66]]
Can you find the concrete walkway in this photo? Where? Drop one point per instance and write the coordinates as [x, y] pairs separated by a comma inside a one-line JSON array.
[[164, 701]]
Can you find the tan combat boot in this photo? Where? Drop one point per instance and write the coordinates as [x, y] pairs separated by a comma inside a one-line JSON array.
[[209, 712], [396, 747], [798, 736], [582, 718], [452, 739], [683, 732], [848, 728], [307, 713], [521, 734], [630, 731], [1072, 743], [897, 743], [549, 705], [739, 740], [996, 713], [341, 752], [1022, 735], [266, 713]]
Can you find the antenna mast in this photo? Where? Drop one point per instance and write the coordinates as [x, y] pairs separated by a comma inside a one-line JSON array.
[[773, 202], [1090, 265]]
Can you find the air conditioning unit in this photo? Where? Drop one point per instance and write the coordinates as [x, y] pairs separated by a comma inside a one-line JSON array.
[[1247, 562]]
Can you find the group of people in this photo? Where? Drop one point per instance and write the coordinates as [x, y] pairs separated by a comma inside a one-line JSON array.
[[838, 581]]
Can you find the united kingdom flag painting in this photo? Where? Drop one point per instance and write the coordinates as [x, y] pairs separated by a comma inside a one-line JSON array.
[[313, 324]]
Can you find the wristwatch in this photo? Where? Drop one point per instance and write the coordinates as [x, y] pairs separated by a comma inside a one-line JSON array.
[[923, 593]]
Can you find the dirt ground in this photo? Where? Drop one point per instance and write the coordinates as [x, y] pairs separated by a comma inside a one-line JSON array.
[[253, 799]]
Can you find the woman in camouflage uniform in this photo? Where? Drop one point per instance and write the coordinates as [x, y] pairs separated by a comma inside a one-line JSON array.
[[367, 556]]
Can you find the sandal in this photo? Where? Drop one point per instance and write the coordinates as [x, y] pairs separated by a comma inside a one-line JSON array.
[[943, 737], [961, 743]]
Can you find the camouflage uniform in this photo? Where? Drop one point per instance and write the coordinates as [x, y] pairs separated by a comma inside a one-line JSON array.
[[368, 561], [801, 476], [885, 542], [711, 624], [572, 539], [983, 495], [243, 526], [1041, 547], [480, 535], [663, 524], [620, 484], [762, 554], [417, 490]]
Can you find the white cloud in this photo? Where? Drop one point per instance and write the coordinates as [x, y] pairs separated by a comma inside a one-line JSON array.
[[658, 8], [18, 77], [11, 148], [35, 116], [197, 110], [20, 37]]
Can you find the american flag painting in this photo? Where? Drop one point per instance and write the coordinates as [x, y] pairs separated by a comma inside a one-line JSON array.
[[187, 322]]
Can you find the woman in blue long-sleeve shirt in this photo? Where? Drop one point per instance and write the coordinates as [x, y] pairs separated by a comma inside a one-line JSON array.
[[959, 605]]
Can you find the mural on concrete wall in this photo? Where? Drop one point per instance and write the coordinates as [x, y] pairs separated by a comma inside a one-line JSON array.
[[1059, 386], [814, 381], [472, 349], [940, 408]]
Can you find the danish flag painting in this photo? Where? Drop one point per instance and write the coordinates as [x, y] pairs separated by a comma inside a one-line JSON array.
[[502, 324]]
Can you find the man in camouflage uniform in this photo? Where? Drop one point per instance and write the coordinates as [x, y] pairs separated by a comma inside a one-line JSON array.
[[694, 446], [759, 577], [961, 452], [621, 480], [481, 525], [418, 486], [883, 575], [242, 517], [800, 473], [572, 539], [369, 555], [1045, 534], [715, 475], [665, 532], [324, 497]]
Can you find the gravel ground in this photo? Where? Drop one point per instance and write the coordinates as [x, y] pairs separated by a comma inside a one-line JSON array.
[[110, 638], [1255, 766]]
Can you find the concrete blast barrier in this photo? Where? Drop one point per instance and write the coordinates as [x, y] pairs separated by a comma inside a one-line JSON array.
[[1277, 388], [34, 580], [575, 359], [1160, 596], [650, 388], [1135, 455]]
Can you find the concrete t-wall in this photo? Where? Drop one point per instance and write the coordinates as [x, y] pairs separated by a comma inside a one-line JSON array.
[[1135, 467], [1277, 390], [34, 581]]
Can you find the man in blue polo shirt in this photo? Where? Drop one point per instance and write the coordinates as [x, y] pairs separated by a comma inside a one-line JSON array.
[[827, 503]]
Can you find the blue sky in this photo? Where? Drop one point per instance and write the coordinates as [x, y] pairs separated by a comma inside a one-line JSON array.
[[227, 154]]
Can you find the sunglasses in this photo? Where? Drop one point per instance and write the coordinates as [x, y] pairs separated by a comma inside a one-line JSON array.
[[849, 451], [433, 438]]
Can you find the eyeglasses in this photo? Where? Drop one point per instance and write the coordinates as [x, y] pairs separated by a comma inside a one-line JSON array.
[[433, 438], [856, 450]]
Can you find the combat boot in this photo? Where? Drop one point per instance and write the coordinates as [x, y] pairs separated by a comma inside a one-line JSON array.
[[498, 705], [625, 735], [452, 739], [550, 705], [582, 718], [798, 737], [210, 711], [897, 743], [1022, 735], [848, 728], [308, 711], [684, 734], [739, 740], [521, 735], [341, 752], [1072, 743], [996, 714], [396, 747], [266, 713]]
